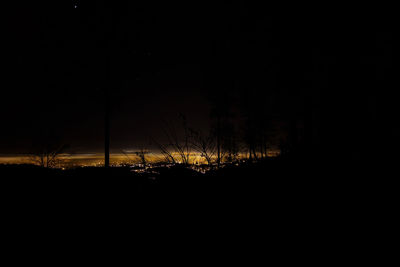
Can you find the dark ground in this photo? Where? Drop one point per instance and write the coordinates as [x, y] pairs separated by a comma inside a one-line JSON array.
[[292, 210], [272, 181]]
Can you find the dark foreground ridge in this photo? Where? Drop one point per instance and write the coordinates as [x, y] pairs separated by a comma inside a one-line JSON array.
[[272, 200], [274, 179]]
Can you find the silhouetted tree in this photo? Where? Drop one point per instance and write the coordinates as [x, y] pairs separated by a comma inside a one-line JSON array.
[[204, 144], [176, 143], [48, 156], [229, 141], [142, 156], [222, 120], [107, 25], [166, 152]]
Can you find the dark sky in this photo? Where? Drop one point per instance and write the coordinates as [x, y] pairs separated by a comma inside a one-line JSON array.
[[172, 57]]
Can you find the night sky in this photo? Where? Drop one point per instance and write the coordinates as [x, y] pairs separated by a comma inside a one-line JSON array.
[[170, 58]]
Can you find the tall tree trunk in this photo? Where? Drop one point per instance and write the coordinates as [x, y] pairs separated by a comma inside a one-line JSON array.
[[218, 141], [106, 127]]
